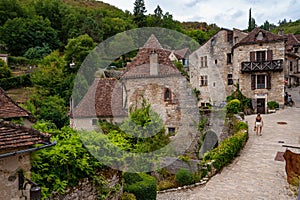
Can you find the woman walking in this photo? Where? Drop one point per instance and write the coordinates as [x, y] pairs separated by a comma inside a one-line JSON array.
[[258, 124]]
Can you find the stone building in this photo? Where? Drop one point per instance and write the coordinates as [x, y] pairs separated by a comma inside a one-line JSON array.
[[211, 67], [151, 75], [4, 57], [16, 144], [292, 60], [260, 62]]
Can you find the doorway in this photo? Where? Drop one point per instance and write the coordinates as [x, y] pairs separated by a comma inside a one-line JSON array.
[[261, 105]]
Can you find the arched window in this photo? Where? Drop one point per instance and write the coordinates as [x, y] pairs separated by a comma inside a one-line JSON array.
[[168, 95]]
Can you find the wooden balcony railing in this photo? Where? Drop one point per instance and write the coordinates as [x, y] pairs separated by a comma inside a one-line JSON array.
[[273, 65]]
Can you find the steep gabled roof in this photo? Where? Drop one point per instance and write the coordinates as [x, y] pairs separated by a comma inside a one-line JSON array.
[[103, 99], [10, 109], [152, 43], [14, 136], [253, 37], [140, 65]]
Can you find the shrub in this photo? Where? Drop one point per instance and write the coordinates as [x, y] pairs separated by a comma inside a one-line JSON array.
[[131, 178], [241, 126], [183, 177], [15, 82], [128, 196], [227, 150], [273, 104], [144, 189], [234, 106]]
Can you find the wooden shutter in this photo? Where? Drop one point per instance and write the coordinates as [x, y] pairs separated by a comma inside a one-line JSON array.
[[268, 81], [269, 55], [253, 81], [252, 56]]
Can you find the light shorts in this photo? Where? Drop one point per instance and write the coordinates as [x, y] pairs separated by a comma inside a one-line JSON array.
[[258, 124]]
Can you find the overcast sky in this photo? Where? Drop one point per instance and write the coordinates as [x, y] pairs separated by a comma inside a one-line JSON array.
[[225, 13]]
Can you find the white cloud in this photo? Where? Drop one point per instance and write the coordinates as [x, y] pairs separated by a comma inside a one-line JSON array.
[[224, 13]]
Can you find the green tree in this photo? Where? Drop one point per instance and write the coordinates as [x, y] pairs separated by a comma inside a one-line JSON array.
[[10, 9], [251, 22], [53, 109], [71, 160], [139, 11], [145, 129], [5, 71], [76, 51], [49, 76], [20, 34]]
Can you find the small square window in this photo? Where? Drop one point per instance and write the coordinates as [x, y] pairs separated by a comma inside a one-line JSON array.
[[94, 121], [171, 130]]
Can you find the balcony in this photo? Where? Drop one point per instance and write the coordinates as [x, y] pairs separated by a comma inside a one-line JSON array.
[[264, 66]]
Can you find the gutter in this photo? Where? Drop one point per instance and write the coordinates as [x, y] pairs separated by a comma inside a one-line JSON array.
[[28, 150]]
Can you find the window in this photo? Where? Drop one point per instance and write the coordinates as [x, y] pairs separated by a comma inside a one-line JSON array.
[[203, 61], [94, 122], [171, 130], [216, 61], [229, 58], [260, 81], [296, 50], [236, 39], [229, 79], [229, 36], [260, 56], [203, 80], [291, 65], [168, 95]]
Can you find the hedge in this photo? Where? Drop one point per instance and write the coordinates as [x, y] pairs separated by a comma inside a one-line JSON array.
[[144, 189], [227, 150], [184, 177], [15, 82]]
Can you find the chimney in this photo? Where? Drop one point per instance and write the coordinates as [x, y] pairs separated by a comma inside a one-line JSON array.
[[154, 65]]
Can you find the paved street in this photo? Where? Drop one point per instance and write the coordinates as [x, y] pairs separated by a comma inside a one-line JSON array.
[[255, 174]]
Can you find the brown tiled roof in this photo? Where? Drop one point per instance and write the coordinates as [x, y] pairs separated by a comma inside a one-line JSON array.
[[140, 65], [251, 38], [182, 52], [16, 136], [103, 99], [9, 109], [292, 40]]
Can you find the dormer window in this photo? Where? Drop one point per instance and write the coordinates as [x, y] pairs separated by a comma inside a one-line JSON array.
[[168, 95], [260, 36]]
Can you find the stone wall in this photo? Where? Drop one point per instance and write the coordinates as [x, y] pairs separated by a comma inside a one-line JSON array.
[[9, 168], [179, 112], [86, 190], [217, 69], [242, 54]]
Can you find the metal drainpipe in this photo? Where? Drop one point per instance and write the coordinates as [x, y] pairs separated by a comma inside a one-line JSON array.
[[27, 150]]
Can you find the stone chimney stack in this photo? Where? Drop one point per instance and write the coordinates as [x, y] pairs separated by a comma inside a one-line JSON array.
[[154, 65]]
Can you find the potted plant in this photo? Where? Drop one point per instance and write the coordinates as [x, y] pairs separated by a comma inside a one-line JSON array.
[[272, 106]]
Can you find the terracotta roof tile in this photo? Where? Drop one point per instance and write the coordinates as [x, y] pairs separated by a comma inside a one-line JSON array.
[[103, 99], [15, 136], [10, 109], [140, 64], [252, 37]]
